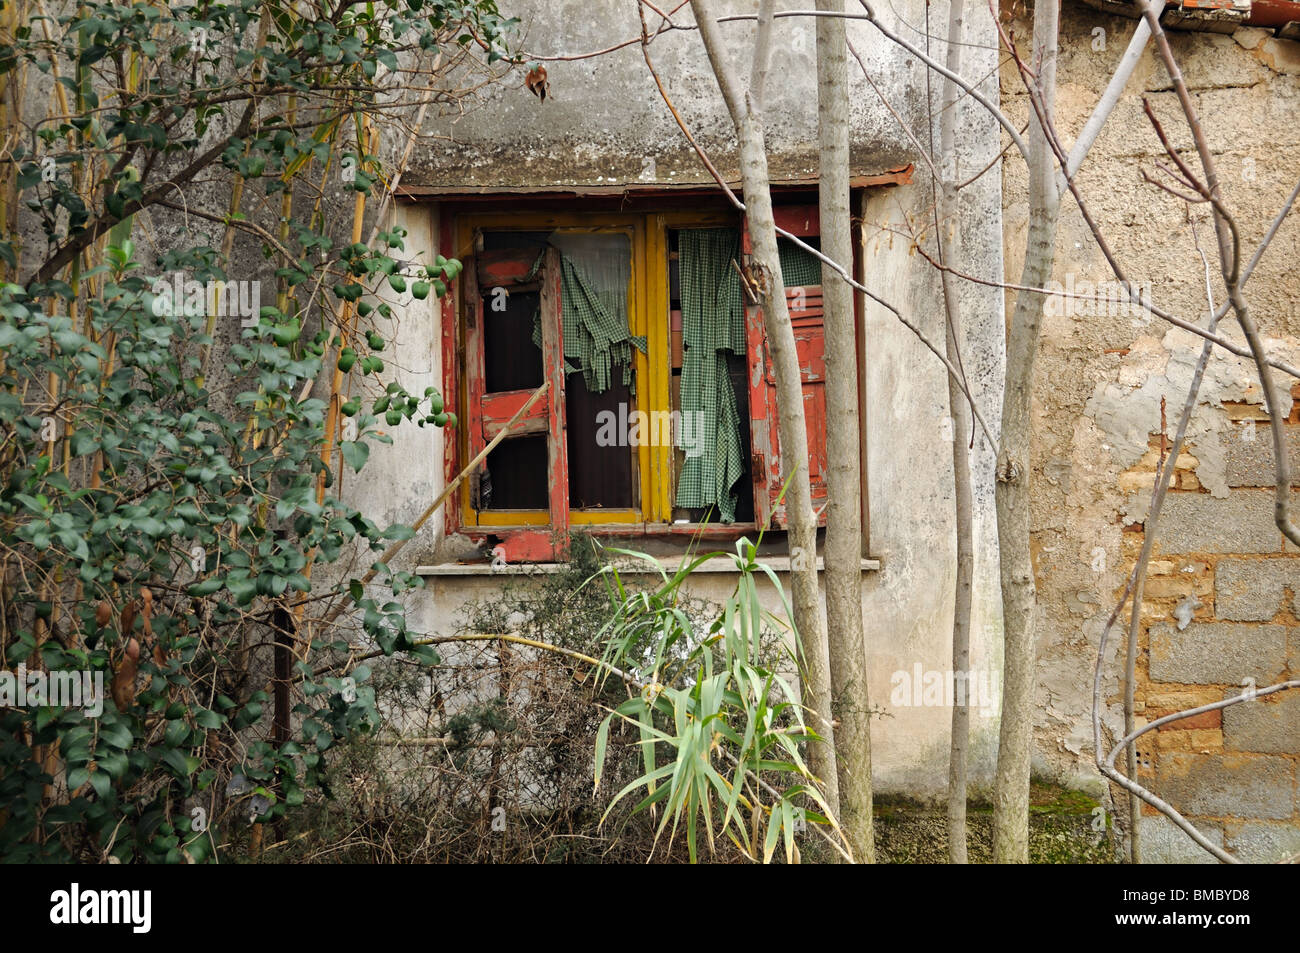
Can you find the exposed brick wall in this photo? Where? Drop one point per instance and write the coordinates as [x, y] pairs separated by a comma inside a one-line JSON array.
[[1234, 772]]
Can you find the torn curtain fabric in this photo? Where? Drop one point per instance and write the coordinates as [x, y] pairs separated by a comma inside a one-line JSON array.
[[798, 267], [594, 273], [713, 324]]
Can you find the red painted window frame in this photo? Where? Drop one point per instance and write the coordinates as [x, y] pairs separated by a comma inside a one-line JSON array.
[[544, 543], [807, 318]]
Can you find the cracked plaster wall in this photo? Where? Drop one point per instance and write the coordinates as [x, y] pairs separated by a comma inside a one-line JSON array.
[[1099, 380], [604, 123]]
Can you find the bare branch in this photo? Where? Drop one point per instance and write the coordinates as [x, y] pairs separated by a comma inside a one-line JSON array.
[[921, 151], [942, 70], [1229, 255], [713, 46], [835, 266], [1109, 98], [681, 123]]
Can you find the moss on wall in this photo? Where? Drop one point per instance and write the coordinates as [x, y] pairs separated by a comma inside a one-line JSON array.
[[1060, 830]]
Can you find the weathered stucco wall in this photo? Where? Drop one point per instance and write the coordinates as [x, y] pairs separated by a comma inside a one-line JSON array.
[[603, 124], [1097, 416], [1098, 389], [603, 121]]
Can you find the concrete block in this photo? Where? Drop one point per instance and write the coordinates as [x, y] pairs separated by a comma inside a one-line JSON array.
[[1241, 522], [1163, 842], [1217, 653], [1251, 590], [1250, 462], [1270, 724], [1228, 785], [1263, 843]]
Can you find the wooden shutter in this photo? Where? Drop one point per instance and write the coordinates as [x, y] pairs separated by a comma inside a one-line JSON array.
[[489, 411], [806, 316]]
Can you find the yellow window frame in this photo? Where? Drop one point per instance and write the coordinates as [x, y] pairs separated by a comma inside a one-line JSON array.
[[648, 316]]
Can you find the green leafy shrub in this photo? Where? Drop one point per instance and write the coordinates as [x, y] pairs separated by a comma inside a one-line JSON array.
[[175, 537]]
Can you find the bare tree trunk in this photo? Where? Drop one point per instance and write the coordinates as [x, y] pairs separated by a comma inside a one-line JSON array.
[[964, 512], [1015, 735], [845, 638], [746, 109], [948, 224]]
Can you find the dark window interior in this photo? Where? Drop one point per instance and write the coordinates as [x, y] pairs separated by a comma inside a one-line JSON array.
[[514, 475], [499, 241], [598, 476], [736, 364], [511, 360]]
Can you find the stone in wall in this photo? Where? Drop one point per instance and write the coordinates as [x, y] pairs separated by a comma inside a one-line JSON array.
[[1252, 590], [1217, 653], [1228, 785]]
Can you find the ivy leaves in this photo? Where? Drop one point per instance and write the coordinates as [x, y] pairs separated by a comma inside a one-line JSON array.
[[122, 474]]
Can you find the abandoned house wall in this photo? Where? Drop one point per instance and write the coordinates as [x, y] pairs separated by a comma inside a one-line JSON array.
[[1097, 418], [1099, 381], [604, 125]]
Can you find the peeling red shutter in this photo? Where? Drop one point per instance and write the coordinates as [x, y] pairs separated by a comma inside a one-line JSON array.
[[557, 469], [806, 316], [491, 410]]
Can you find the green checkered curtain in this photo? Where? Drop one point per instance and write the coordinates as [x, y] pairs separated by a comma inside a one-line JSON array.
[[798, 267], [713, 323], [594, 273]]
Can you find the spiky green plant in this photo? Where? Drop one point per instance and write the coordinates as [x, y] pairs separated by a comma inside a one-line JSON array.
[[719, 729]]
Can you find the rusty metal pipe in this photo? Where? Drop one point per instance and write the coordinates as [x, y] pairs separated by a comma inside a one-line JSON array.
[[1273, 13]]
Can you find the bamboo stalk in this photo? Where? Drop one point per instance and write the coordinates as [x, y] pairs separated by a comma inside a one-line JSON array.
[[365, 143], [333, 413], [10, 16], [448, 491], [236, 199]]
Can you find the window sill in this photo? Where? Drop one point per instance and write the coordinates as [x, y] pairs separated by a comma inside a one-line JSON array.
[[718, 564], [704, 530]]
